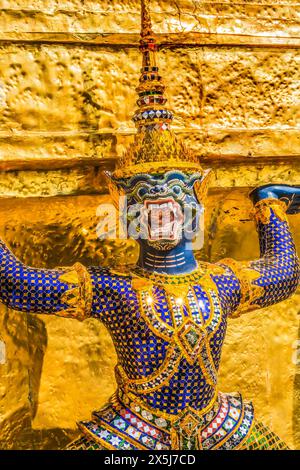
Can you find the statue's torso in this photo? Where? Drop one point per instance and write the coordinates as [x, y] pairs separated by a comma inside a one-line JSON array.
[[168, 332], [168, 337], [169, 346]]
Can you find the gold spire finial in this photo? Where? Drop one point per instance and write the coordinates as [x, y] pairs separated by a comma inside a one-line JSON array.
[[155, 148], [146, 26], [151, 112], [148, 44]]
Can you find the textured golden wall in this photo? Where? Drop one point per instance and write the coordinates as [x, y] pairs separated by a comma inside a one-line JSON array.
[[67, 75]]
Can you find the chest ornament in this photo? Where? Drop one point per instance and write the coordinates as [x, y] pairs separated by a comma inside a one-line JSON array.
[[190, 339], [174, 312]]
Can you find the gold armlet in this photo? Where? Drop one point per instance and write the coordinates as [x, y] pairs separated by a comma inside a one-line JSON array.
[[262, 210], [249, 291], [79, 296]]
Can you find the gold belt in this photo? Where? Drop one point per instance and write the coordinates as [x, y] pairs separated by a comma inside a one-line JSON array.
[[184, 428]]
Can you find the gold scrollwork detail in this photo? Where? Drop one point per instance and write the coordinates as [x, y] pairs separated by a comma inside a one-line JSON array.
[[263, 209], [158, 379], [79, 296], [249, 291]]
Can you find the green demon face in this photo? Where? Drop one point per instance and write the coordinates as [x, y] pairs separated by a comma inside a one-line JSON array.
[[162, 209]]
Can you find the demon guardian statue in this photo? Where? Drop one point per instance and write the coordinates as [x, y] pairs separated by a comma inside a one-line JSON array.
[[168, 314]]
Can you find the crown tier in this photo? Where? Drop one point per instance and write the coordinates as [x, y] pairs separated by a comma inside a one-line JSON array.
[[155, 147]]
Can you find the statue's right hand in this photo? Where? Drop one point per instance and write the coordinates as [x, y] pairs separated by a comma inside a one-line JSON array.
[[284, 192]]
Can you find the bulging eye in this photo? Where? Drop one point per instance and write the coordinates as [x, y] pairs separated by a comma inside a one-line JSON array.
[[177, 190], [141, 192]]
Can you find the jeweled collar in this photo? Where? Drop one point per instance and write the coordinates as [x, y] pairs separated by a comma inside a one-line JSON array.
[[187, 278]]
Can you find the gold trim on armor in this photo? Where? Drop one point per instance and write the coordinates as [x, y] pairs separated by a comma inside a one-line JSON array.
[[111, 429], [79, 297], [249, 291], [228, 436], [262, 210], [132, 398], [126, 383], [176, 279], [239, 447]]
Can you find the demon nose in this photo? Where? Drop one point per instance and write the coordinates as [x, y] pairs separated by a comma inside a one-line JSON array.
[[158, 189]]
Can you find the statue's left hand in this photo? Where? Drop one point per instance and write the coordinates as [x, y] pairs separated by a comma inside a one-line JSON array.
[[289, 194]]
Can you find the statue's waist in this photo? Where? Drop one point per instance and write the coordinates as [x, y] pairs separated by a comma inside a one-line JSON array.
[[126, 422]]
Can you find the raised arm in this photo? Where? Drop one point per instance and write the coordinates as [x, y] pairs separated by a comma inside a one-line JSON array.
[[62, 291], [275, 276]]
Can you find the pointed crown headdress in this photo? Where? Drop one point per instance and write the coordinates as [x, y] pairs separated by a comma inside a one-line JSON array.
[[155, 148]]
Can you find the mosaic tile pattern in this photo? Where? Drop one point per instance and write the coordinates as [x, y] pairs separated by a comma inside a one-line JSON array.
[[262, 438], [168, 351], [121, 427]]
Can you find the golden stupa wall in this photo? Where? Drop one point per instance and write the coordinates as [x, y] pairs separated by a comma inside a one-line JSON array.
[[68, 70]]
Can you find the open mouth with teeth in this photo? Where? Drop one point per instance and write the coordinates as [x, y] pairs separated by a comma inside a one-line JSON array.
[[162, 219]]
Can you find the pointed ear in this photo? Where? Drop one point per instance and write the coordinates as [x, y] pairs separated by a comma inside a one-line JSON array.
[[115, 190], [202, 184]]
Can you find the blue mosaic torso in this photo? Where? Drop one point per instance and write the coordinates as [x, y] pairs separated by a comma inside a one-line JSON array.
[[168, 352], [145, 334]]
